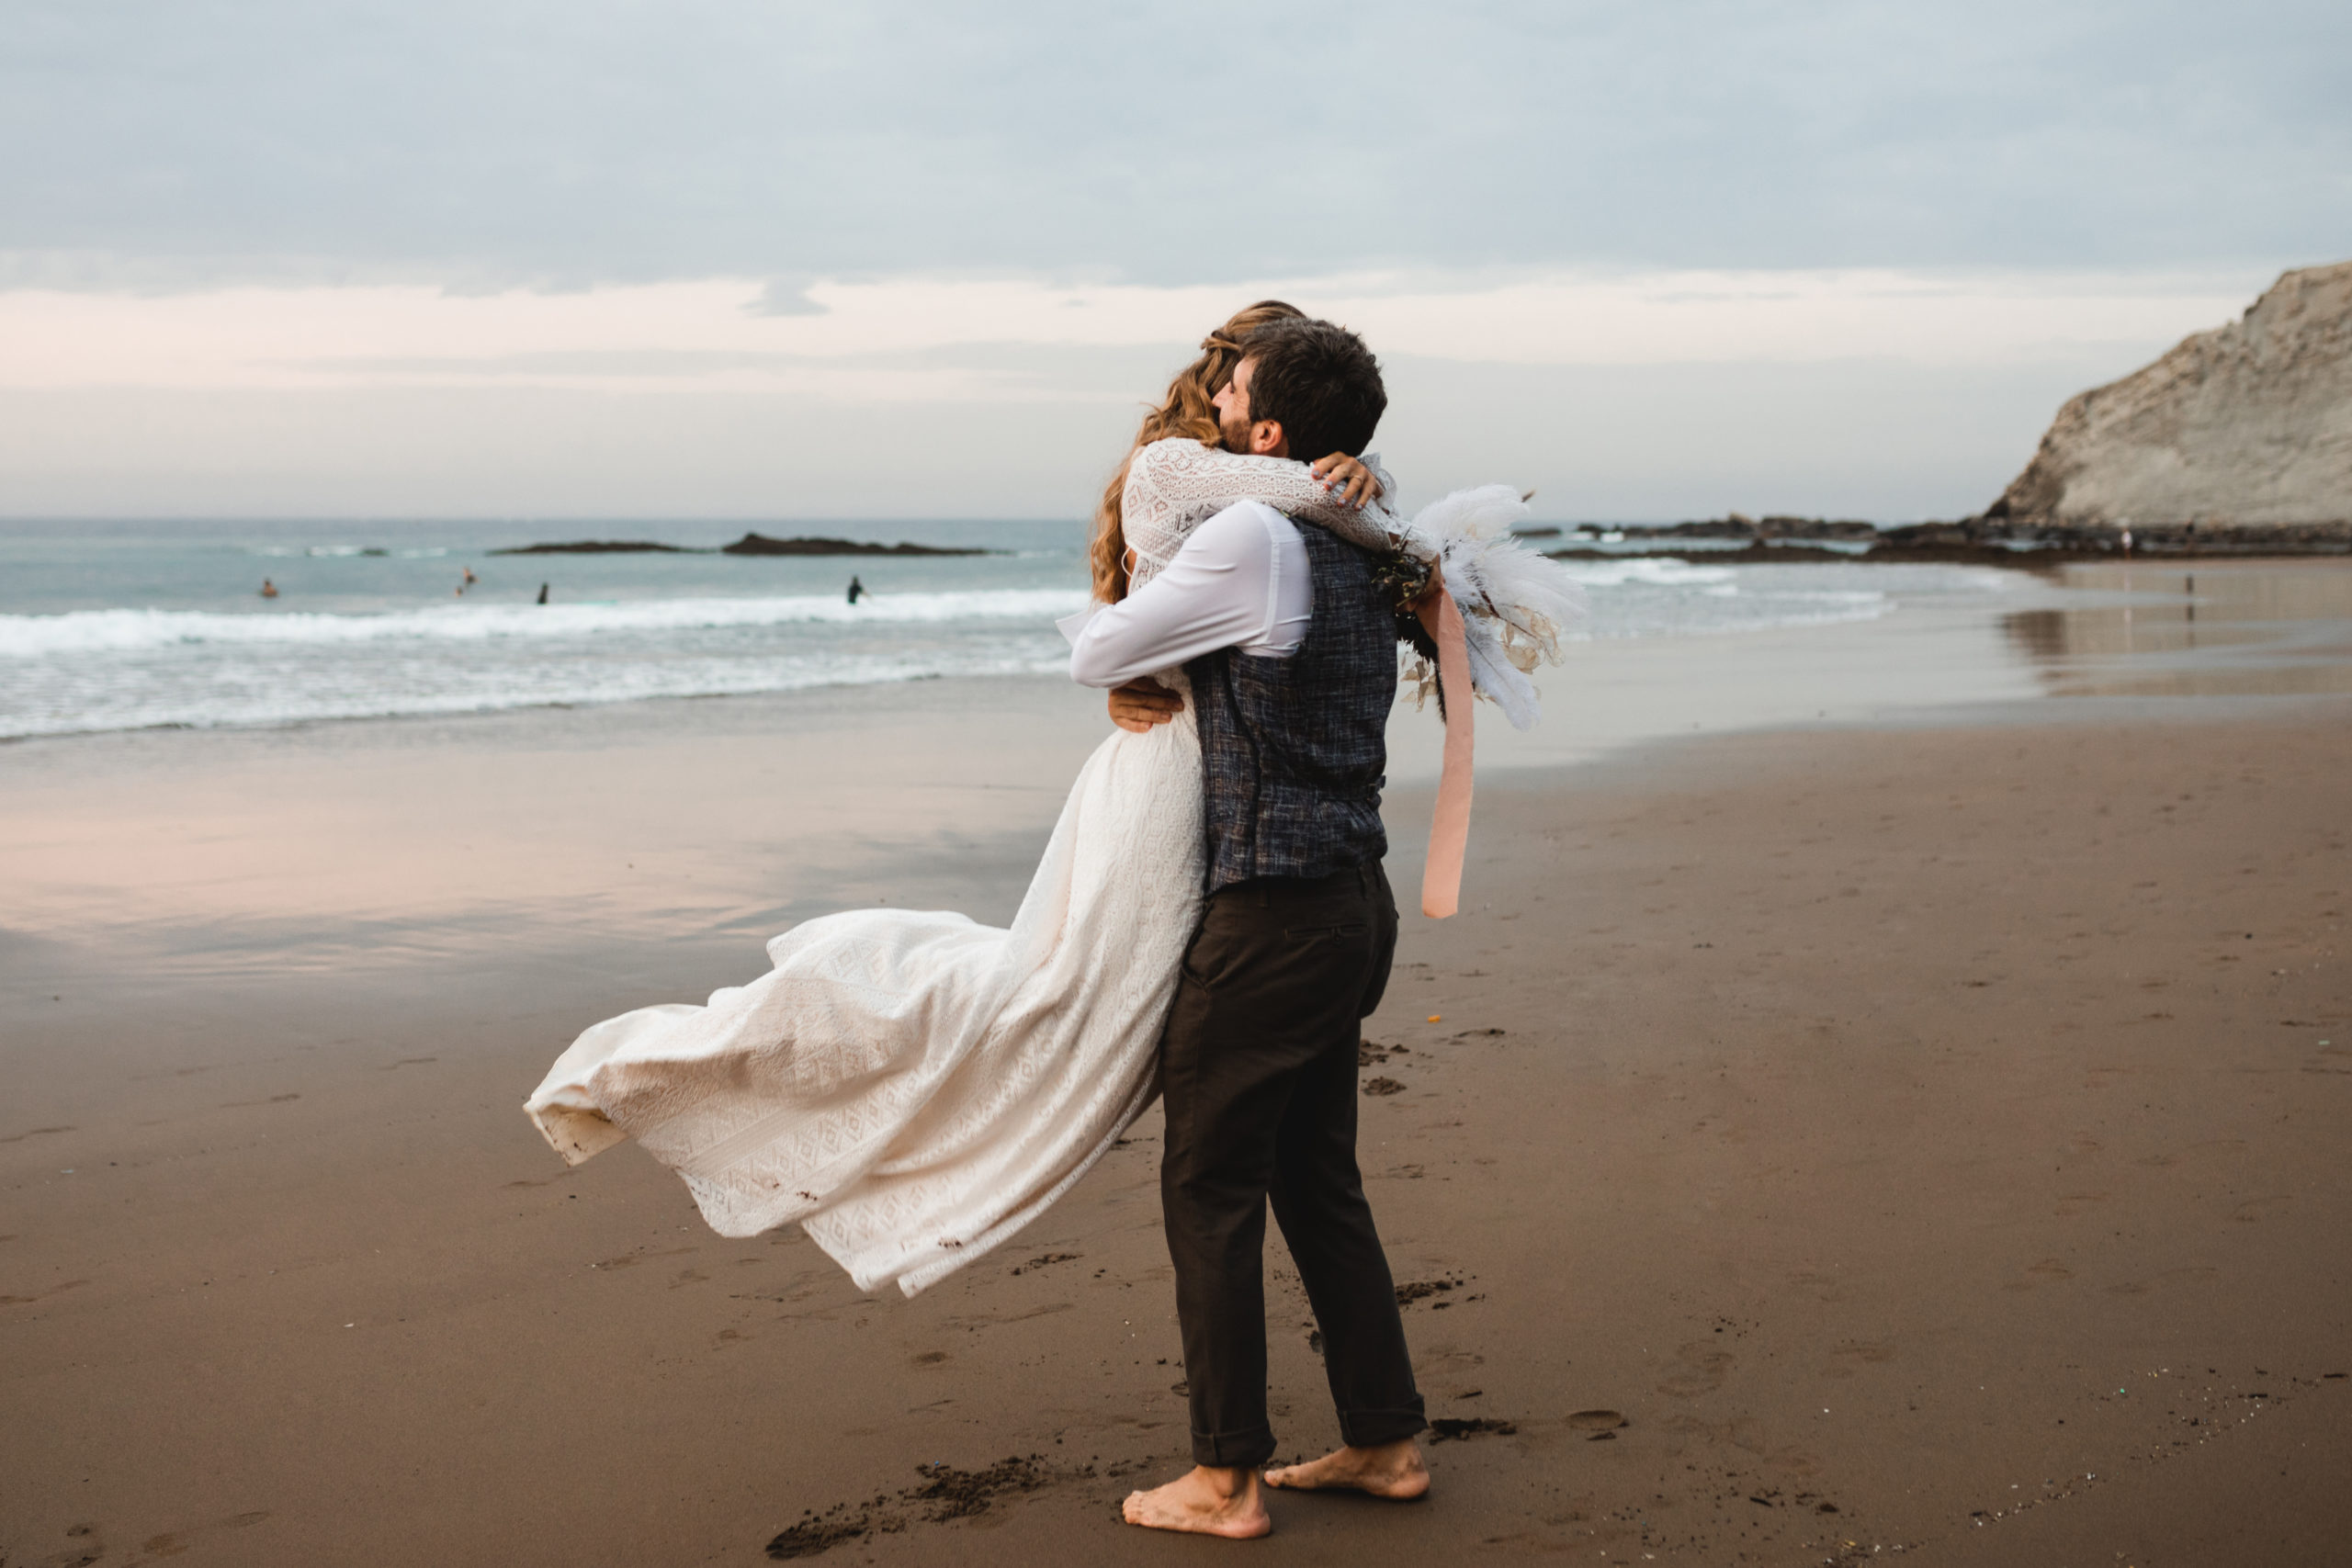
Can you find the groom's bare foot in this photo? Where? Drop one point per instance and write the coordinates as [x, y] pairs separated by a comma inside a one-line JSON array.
[[1207, 1502], [1393, 1471]]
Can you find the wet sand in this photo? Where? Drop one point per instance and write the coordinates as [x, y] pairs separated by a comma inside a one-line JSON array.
[[1932, 1138]]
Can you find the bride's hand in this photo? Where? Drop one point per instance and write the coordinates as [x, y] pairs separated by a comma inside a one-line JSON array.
[[1348, 478], [1139, 705]]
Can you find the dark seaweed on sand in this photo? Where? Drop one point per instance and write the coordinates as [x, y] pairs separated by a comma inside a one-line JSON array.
[[946, 1494]]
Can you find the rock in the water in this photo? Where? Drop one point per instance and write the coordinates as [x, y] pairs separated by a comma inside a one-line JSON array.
[[761, 545], [590, 548], [2247, 426]]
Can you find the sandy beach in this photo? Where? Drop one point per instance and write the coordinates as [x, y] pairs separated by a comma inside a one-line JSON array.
[[1840, 1125]]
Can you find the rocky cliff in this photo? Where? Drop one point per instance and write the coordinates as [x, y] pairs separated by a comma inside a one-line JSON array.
[[2248, 426]]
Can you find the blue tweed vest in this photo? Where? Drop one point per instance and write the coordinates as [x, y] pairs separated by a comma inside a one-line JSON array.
[[1296, 750]]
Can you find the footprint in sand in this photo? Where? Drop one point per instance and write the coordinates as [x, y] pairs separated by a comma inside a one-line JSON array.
[[1820, 1287], [2170, 1277], [2048, 1269], [1698, 1369], [44, 1295], [2210, 1148], [172, 1542], [1447, 1364], [1598, 1426], [88, 1547], [631, 1259], [974, 1323]]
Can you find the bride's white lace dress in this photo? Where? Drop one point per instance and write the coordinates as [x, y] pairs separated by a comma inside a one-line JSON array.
[[913, 1088]]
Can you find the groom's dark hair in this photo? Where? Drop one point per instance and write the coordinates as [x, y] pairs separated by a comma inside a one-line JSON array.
[[1320, 382]]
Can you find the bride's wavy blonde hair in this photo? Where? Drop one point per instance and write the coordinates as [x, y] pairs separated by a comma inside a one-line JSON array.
[[1185, 410]]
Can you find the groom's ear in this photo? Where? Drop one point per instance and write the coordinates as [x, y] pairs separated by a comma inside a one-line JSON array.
[[1267, 440]]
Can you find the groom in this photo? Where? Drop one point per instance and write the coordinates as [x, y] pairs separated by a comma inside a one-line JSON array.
[[1291, 653]]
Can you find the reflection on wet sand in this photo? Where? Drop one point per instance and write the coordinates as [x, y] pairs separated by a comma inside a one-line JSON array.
[[2203, 628]]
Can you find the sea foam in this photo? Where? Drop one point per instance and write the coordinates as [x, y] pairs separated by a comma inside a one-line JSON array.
[[128, 630]]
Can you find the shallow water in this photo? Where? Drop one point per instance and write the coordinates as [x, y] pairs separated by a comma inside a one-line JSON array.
[[2205, 628], [116, 626]]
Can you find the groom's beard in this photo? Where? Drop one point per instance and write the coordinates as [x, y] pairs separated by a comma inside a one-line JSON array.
[[1234, 435]]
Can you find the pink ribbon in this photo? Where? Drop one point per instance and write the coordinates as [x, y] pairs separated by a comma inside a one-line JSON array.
[[1450, 827]]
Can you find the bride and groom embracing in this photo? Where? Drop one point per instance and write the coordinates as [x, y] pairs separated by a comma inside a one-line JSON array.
[[1209, 923]]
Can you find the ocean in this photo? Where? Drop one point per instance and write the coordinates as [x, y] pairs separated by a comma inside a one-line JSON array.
[[121, 626]]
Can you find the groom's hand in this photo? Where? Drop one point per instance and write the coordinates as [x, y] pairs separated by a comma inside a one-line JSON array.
[[1139, 705]]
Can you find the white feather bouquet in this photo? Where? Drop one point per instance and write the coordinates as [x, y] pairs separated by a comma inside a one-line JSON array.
[[1515, 604]]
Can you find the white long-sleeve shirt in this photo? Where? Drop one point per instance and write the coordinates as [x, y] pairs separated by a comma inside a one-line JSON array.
[[1241, 580]]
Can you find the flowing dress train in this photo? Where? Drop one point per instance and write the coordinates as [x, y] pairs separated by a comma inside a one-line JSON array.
[[911, 1086]]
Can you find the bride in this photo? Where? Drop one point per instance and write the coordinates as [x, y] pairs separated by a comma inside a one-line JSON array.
[[912, 1088]]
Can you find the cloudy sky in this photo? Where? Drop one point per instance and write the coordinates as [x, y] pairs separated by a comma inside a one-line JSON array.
[[777, 260]]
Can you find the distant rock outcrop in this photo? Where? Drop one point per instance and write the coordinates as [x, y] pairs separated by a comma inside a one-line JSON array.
[[761, 545], [749, 545], [597, 547], [1739, 526], [2247, 427]]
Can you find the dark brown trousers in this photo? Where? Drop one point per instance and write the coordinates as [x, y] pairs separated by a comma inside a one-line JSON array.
[[1257, 1069]]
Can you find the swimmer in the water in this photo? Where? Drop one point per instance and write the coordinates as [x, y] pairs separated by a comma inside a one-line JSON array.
[[856, 589], [268, 588]]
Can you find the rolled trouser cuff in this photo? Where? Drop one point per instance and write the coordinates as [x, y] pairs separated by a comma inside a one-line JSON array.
[[1235, 1450], [1370, 1429]]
